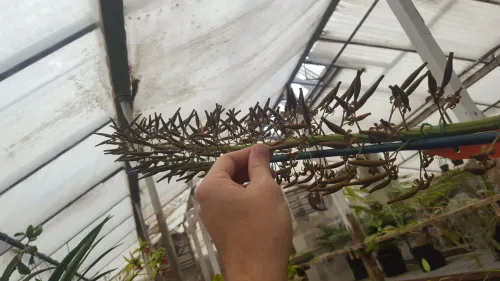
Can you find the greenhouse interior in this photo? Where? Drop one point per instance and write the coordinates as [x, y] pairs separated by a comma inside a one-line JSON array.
[[114, 111]]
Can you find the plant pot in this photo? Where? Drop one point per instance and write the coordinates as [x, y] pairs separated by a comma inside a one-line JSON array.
[[391, 260], [457, 162], [357, 267], [430, 254], [444, 168]]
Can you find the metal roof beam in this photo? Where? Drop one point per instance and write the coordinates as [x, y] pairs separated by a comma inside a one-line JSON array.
[[316, 34], [384, 47]]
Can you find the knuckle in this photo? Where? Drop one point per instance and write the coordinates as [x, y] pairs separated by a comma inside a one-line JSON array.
[[202, 192]]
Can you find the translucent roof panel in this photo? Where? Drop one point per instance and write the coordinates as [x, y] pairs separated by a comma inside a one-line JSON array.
[[232, 53], [51, 105], [31, 25]]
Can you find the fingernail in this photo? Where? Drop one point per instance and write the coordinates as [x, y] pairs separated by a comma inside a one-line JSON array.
[[261, 151]]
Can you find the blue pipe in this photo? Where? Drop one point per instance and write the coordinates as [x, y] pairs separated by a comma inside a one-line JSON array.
[[423, 144]]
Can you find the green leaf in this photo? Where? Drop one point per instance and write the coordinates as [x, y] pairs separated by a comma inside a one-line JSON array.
[[34, 274], [30, 232], [19, 234], [102, 274], [370, 240], [58, 272], [23, 269], [38, 230], [98, 259], [218, 277], [426, 265], [86, 246], [31, 250], [11, 267]]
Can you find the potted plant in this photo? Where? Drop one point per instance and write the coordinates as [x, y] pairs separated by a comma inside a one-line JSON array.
[[427, 257], [337, 237]]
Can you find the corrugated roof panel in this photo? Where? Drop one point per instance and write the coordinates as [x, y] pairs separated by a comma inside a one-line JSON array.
[[381, 27], [55, 185], [28, 23], [470, 28], [213, 61], [55, 103], [486, 90]]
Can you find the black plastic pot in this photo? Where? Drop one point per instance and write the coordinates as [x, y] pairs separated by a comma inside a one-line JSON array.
[[444, 168], [457, 162], [357, 267], [430, 254], [391, 260]]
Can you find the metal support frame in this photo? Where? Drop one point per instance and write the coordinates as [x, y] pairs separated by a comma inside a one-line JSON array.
[[208, 242], [191, 228], [314, 37], [329, 74], [430, 52], [113, 24]]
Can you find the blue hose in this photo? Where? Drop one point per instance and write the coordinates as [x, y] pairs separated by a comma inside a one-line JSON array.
[[423, 144]]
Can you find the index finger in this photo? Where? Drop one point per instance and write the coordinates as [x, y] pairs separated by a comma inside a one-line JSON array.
[[228, 164]]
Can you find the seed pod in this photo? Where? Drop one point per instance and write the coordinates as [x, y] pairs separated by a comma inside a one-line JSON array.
[[330, 96], [404, 196], [412, 76], [362, 116], [343, 104], [290, 184], [369, 93], [381, 185], [448, 71], [335, 144], [335, 165], [291, 101], [316, 184], [307, 179], [357, 84], [415, 84], [403, 96], [370, 163], [337, 179], [295, 126], [283, 171], [333, 188], [334, 127], [369, 180], [431, 82]]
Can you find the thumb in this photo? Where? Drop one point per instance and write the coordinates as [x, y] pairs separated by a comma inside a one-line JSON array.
[[259, 163]]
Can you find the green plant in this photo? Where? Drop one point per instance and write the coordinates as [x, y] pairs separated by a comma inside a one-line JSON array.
[[155, 259], [333, 237], [69, 266], [218, 277]]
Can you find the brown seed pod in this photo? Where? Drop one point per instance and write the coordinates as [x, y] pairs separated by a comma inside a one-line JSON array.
[[334, 127], [362, 116], [290, 184], [448, 71], [381, 185], [415, 84], [432, 84], [330, 96], [369, 93], [357, 84], [306, 179], [343, 104], [412, 76], [369, 180], [404, 196], [291, 100], [333, 188], [337, 179]]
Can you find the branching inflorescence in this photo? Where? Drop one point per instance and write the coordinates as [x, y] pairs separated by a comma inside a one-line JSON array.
[[185, 147]]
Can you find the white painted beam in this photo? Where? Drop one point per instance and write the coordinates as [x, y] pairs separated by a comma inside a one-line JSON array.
[[428, 49]]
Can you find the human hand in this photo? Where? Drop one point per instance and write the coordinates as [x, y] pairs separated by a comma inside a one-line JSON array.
[[250, 226]]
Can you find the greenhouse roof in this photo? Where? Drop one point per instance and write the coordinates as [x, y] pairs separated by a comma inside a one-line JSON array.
[[57, 93]]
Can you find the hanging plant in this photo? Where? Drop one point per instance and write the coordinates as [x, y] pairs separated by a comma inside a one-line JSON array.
[[185, 147]]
